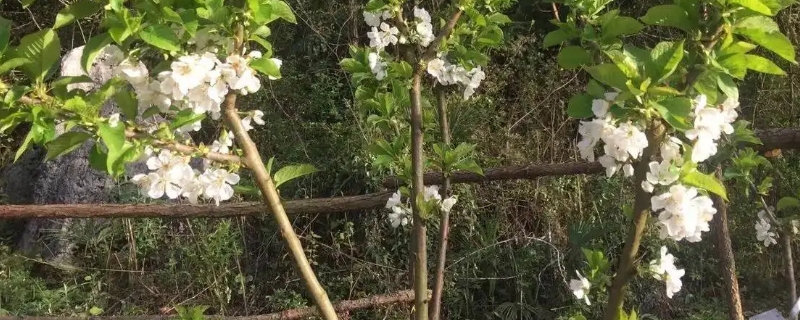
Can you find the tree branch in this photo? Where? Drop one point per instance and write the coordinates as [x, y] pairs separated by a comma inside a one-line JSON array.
[[725, 253]]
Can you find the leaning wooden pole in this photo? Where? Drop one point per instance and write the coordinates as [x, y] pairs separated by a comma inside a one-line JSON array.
[[444, 224], [252, 159]]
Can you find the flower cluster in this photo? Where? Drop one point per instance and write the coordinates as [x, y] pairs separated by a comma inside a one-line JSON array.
[[401, 212], [709, 124], [447, 74], [762, 230], [195, 81], [682, 214], [622, 142], [172, 176], [664, 269], [580, 287], [383, 34]]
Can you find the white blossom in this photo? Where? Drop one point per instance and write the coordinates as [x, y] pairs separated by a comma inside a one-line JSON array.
[[372, 19], [218, 184], [763, 233], [683, 214], [254, 116], [447, 204], [399, 216], [664, 269], [580, 287], [432, 193], [382, 36], [113, 120], [394, 200], [377, 66]]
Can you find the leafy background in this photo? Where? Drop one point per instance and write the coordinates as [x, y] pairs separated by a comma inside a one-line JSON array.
[[514, 244]]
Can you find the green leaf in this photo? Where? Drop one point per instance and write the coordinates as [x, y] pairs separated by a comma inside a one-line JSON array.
[[266, 66], [26, 144], [763, 65], [77, 10], [624, 62], [765, 32], [92, 49], [126, 101], [283, 11], [498, 18], [595, 89], [622, 26], [288, 173], [704, 181], [755, 5], [707, 84], [160, 36], [375, 5], [66, 143], [186, 117], [95, 311], [728, 86], [787, 202], [114, 138], [13, 63], [98, 158], [150, 112], [43, 49], [608, 74], [557, 37], [469, 165], [668, 15], [736, 65], [572, 57], [665, 57], [676, 112], [580, 106], [27, 3], [65, 81]]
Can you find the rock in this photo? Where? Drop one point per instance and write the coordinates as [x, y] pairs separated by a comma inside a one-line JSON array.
[[773, 314]]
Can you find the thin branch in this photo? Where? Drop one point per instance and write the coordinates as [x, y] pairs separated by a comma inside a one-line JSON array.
[[185, 149], [433, 47], [725, 253]]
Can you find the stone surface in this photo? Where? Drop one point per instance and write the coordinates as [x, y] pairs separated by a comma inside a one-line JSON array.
[[773, 314], [66, 179]]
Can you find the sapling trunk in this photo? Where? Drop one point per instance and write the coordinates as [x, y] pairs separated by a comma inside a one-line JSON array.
[[787, 252], [419, 239], [252, 159], [641, 210], [444, 225], [725, 254]]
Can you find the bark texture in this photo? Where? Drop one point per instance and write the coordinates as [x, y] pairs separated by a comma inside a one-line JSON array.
[[724, 250]]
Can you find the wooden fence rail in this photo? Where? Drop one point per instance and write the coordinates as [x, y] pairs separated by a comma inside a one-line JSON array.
[[773, 139]]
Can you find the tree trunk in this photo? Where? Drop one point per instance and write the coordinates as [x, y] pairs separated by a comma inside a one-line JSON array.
[[725, 254]]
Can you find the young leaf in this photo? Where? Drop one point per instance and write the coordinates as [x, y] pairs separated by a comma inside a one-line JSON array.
[[704, 181], [288, 173], [572, 57], [66, 143], [668, 15], [665, 58], [621, 26], [736, 64], [97, 158], [42, 49], [608, 74], [557, 37], [676, 112], [580, 106], [787, 202], [755, 5], [283, 11], [126, 101], [26, 144], [765, 32], [5, 35], [728, 86], [114, 138], [763, 65], [12, 63], [186, 117], [160, 36], [77, 10], [469, 165], [266, 66], [92, 49]]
